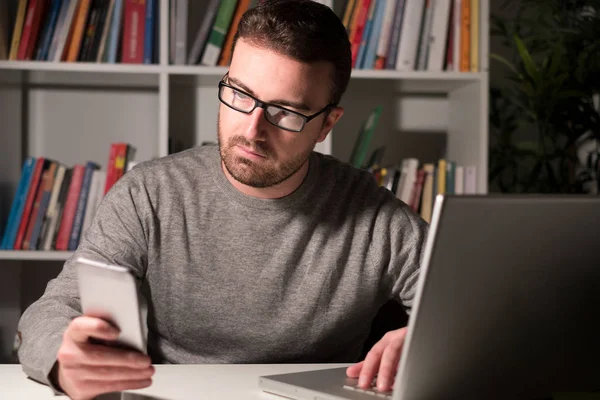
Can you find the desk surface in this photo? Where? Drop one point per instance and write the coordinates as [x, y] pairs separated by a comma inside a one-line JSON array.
[[171, 382]]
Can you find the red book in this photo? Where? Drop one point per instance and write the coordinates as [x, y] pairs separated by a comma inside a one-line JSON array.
[[116, 164], [68, 216], [34, 210], [31, 195], [360, 28], [31, 28], [134, 22]]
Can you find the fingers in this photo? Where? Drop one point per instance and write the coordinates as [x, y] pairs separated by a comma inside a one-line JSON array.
[[91, 389], [389, 365], [100, 355], [101, 374], [81, 328], [371, 365], [353, 371]]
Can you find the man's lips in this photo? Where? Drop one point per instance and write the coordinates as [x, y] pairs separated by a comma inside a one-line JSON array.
[[250, 152]]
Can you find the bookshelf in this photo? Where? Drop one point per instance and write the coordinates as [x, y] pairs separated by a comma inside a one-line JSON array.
[[72, 111]]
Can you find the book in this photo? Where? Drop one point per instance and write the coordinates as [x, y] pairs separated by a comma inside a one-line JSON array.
[[88, 173], [361, 145], [18, 205], [217, 35]]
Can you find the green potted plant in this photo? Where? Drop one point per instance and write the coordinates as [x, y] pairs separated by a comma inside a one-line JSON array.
[[552, 95]]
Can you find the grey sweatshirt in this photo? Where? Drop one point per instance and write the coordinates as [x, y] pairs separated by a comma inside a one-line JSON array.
[[230, 278]]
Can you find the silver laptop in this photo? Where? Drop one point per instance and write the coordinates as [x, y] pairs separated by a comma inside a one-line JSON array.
[[507, 306]]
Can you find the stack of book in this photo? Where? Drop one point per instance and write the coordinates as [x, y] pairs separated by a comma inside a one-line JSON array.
[[417, 184], [413, 182], [108, 31], [213, 39], [428, 35], [54, 204]]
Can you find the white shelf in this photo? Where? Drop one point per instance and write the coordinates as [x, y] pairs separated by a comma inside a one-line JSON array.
[[23, 255], [218, 71], [80, 67], [416, 75]]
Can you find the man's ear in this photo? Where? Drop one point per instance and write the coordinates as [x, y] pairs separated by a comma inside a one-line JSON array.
[[333, 116]]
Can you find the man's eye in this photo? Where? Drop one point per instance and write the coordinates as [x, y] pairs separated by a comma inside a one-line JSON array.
[[240, 96]]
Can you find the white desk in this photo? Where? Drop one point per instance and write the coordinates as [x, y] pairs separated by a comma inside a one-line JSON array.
[[171, 382]]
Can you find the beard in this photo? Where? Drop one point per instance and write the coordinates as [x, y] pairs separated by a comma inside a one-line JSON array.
[[265, 173]]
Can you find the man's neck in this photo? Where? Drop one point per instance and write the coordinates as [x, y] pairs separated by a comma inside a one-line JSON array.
[[273, 192]]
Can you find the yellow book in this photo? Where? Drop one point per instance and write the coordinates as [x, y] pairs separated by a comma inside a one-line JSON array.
[[427, 194], [474, 45], [441, 177], [353, 20], [348, 14], [18, 29]]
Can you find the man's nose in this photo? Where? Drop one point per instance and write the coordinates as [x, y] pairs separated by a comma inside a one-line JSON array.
[[256, 122]]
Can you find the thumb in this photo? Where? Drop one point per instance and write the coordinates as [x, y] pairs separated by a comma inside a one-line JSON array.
[[353, 371]]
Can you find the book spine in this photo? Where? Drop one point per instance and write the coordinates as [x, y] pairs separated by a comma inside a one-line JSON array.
[[225, 58], [35, 209], [474, 31], [115, 31], [31, 24], [78, 30], [390, 62], [33, 188], [90, 30], [409, 35], [60, 23], [132, 46], [81, 205], [375, 36], [70, 207], [361, 21], [66, 32], [17, 206], [149, 38], [385, 35], [202, 35], [18, 30], [465, 36], [217, 35], [49, 31], [365, 39], [100, 56]]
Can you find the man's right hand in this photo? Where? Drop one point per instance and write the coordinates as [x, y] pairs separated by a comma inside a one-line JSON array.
[[85, 370]]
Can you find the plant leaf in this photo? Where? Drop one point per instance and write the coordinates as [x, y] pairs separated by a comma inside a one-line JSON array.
[[504, 61], [530, 66]]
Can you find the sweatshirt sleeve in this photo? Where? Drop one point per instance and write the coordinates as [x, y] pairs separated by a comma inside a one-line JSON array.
[[408, 236], [117, 235]]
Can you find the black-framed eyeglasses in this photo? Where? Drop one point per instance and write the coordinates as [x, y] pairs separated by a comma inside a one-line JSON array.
[[279, 116]]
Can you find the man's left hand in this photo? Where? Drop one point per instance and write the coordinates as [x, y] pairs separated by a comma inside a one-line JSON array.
[[381, 361]]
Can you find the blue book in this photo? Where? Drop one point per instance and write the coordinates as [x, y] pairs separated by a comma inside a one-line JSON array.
[[390, 62], [81, 205], [40, 218], [48, 31], [16, 210], [371, 53], [366, 34], [149, 31], [114, 34], [62, 15]]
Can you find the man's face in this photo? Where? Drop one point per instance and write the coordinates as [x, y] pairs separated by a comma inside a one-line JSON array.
[[255, 152]]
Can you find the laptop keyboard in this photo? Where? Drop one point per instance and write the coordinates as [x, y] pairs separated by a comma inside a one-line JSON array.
[[352, 384]]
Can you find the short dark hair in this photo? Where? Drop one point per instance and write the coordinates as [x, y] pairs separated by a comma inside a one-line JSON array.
[[304, 30]]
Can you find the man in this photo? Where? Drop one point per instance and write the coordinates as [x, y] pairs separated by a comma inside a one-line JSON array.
[[256, 251]]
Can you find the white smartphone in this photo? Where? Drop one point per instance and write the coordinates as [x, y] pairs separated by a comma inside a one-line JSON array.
[[109, 292]]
